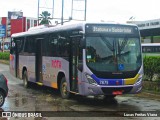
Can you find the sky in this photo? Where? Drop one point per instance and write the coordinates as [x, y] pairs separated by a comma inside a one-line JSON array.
[[97, 10]]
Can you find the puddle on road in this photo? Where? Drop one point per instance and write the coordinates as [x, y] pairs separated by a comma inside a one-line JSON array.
[[44, 99], [34, 100]]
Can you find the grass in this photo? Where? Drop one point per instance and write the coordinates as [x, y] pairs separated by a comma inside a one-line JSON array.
[[4, 62]]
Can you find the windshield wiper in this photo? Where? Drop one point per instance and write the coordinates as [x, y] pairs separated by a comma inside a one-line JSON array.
[[106, 41]]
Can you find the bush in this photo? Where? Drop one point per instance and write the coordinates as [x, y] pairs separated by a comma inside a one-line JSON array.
[[152, 86], [151, 66], [4, 55]]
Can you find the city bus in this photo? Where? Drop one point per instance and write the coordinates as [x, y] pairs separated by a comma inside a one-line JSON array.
[[80, 58], [151, 49]]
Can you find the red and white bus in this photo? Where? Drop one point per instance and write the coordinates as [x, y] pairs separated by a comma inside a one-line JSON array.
[[81, 58]]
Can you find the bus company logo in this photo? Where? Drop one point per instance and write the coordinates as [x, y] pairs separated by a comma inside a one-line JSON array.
[[56, 64], [21, 114]]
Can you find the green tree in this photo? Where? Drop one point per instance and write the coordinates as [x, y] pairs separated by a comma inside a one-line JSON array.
[[45, 18]]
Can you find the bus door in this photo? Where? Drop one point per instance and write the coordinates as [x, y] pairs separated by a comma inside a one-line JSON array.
[[16, 46], [17, 58], [38, 61], [74, 64], [14, 58]]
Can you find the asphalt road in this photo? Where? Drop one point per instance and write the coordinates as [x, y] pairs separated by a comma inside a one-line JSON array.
[[51, 106]]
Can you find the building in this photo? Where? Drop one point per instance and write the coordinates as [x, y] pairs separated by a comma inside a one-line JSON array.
[[11, 25], [149, 30]]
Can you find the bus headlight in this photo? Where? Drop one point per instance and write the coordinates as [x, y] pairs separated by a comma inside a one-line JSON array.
[[91, 80]]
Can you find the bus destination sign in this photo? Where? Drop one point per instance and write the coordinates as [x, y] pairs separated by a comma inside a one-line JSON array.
[[110, 29]]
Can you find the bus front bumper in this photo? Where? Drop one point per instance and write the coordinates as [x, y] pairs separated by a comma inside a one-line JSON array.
[[89, 89]]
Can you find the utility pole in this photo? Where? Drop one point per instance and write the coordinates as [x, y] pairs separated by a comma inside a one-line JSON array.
[[38, 12], [78, 10], [85, 11], [62, 12], [74, 10]]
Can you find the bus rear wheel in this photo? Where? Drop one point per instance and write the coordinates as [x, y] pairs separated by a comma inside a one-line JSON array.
[[63, 89], [25, 79]]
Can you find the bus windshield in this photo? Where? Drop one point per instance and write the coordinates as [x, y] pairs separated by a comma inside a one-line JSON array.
[[113, 54]]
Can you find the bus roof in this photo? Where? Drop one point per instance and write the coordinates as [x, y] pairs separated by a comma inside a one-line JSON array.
[[67, 26], [150, 44]]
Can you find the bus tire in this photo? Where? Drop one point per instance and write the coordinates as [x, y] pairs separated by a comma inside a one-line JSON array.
[[63, 89], [25, 79], [2, 98]]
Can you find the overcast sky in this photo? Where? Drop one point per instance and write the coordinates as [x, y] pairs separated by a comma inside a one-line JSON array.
[[97, 10]]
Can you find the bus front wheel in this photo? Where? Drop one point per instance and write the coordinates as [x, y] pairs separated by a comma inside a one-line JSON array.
[[63, 89], [2, 98], [25, 79]]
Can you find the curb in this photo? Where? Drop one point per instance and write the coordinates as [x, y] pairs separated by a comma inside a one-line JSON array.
[[149, 94]]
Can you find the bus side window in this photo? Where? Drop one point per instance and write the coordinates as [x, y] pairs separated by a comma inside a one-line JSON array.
[[144, 49], [16, 45], [12, 50], [20, 45], [52, 46], [62, 45], [158, 49], [29, 45]]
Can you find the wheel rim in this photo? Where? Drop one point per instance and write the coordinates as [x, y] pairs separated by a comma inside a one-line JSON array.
[[1, 99], [25, 81], [64, 88]]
